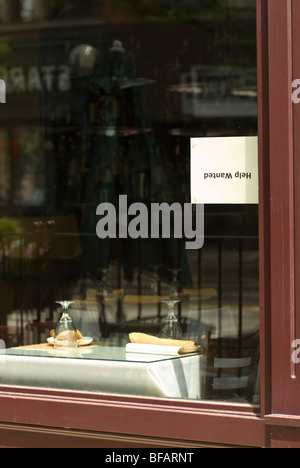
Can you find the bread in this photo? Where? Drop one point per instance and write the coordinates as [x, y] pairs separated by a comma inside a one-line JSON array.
[[67, 335], [79, 334], [142, 338]]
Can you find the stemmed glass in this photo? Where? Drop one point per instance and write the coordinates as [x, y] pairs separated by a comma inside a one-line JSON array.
[[171, 328], [65, 337]]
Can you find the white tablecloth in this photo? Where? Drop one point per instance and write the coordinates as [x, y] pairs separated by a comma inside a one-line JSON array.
[[104, 370]]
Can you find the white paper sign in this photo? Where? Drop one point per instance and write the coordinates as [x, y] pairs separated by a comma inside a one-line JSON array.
[[224, 170]]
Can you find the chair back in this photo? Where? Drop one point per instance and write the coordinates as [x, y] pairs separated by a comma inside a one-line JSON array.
[[231, 367]]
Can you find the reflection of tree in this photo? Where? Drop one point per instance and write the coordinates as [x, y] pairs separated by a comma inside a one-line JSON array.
[[32, 154], [29, 168], [134, 8], [230, 29], [5, 51], [10, 230]]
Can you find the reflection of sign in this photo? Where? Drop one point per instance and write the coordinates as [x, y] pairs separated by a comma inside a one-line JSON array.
[[47, 77], [224, 170], [218, 92]]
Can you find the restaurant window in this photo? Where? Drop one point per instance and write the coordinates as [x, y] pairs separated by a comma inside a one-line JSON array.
[[103, 102]]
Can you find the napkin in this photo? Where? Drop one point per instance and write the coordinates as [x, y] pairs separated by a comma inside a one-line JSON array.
[[142, 338]]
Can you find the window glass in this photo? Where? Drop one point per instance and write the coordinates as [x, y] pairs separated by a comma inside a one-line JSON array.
[[103, 99]]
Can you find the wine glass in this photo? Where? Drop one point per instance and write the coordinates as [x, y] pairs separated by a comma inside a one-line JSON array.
[[65, 337], [171, 328]]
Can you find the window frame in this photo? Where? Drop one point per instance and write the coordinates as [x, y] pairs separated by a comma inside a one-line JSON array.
[[110, 420]]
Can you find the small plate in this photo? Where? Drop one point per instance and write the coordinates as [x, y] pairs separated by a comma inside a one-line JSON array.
[[86, 340]]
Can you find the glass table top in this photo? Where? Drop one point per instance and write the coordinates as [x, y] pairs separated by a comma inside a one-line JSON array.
[[98, 353]]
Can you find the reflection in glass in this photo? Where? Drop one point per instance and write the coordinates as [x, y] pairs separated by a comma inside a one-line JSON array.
[[106, 111], [175, 288], [155, 280], [171, 328], [65, 337], [103, 285]]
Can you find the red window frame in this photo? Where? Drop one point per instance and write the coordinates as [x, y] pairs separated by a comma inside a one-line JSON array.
[[40, 417]]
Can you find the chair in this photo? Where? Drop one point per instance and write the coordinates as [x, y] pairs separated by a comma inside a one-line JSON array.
[[231, 367]]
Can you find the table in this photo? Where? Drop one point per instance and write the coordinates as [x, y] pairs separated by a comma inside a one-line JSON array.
[[103, 369]]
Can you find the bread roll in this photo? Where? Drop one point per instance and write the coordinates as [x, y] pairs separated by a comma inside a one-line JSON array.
[[79, 334], [142, 338]]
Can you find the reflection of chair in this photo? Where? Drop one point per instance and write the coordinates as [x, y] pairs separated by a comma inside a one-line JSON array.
[[143, 299], [151, 312], [86, 316], [110, 322], [202, 294], [231, 367], [9, 336], [41, 330], [213, 317], [140, 313], [7, 301], [134, 306], [146, 308]]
